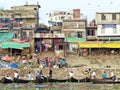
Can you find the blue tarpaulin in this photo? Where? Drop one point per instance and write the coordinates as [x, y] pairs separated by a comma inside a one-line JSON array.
[[13, 65]]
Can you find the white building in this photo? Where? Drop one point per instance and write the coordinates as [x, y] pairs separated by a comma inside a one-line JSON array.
[[55, 18], [108, 26]]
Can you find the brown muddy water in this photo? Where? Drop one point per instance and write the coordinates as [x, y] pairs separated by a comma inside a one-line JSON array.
[[59, 86]]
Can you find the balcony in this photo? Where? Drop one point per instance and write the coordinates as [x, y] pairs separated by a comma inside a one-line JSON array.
[[55, 28]]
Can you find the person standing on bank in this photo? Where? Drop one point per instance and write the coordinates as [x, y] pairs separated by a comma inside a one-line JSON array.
[[50, 73], [29, 76], [16, 75], [104, 75], [71, 74]]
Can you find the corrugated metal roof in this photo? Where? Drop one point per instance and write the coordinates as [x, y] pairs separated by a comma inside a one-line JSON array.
[[6, 36], [15, 45]]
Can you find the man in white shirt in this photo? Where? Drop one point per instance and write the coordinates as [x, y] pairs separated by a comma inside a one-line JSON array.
[[93, 74], [16, 75], [71, 74], [29, 76], [111, 74]]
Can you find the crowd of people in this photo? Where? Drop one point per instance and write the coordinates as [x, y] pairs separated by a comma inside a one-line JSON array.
[[39, 74], [92, 74], [51, 62]]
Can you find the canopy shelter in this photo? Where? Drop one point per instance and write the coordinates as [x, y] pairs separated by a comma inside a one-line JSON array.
[[99, 45], [75, 39], [6, 36], [7, 58], [14, 45]]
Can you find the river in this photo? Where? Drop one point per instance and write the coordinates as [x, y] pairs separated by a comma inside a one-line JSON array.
[[59, 86]]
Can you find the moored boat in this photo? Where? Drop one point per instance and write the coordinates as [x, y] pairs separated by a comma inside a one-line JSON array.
[[105, 81], [16, 80], [40, 80], [58, 80], [5, 80]]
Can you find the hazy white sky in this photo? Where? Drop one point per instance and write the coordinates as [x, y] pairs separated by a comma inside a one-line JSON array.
[[88, 7]]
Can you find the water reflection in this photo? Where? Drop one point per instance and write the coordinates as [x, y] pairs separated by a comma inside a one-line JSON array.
[[59, 86], [37, 88]]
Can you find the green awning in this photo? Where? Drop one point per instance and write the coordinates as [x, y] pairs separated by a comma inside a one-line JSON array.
[[6, 36], [75, 39], [15, 45]]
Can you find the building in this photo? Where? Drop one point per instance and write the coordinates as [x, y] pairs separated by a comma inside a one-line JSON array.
[[108, 26], [56, 18], [74, 28], [45, 42], [91, 31], [21, 19]]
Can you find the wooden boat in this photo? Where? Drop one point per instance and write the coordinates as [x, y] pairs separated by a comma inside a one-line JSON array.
[[79, 80], [105, 81], [5, 80], [40, 80], [45, 79], [16, 80], [58, 80], [86, 79]]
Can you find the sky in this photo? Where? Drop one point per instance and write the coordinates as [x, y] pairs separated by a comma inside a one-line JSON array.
[[88, 7]]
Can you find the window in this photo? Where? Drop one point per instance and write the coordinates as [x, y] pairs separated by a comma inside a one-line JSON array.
[[114, 16], [62, 18], [114, 30], [103, 31], [24, 34], [88, 32], [103, 17], [92, 32], [30, 34], [60, 47], [55, 18], [79, 35]]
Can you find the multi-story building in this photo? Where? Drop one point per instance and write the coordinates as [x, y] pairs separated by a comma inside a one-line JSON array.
[[75, 28], [91, 31], [56, 18], [108, 26], [22, 18], [22, 21]]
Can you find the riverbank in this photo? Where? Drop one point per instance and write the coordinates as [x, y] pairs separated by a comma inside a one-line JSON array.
[[78, 64], [62, 73]]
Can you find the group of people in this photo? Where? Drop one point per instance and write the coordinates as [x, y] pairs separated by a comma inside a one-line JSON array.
[[51, 62], [92, 74], [47, 62], [104, 75], [39, 74], [112, 75]]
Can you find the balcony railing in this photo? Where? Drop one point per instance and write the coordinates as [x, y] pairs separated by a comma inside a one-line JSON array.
[[56, 28]]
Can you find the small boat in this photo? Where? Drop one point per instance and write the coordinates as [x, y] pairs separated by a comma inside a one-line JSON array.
[[5, 80], [16, 80], [86, 79], [105, 81], [58, 80], [40, 80], [73, 80]]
